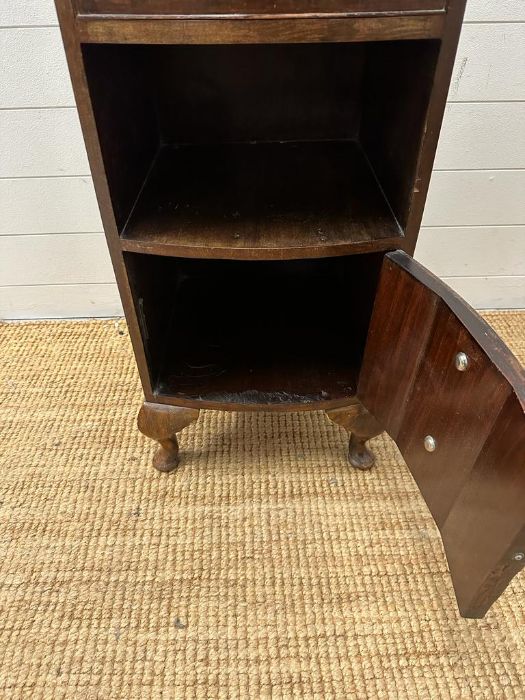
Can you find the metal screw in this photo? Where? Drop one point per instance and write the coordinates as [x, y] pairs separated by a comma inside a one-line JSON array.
[[430, 443], [519, 556], [461, 361]]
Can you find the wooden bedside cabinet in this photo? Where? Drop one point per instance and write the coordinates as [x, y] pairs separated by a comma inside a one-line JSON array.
[[261, 169]]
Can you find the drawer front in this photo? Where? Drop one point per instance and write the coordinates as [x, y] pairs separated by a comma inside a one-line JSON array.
[[252, 8]]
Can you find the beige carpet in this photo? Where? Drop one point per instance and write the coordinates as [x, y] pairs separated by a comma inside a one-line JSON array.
[[264, 568]]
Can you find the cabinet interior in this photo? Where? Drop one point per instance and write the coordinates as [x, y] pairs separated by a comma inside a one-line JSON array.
[[222, 150], [299, 154], [267, 332]]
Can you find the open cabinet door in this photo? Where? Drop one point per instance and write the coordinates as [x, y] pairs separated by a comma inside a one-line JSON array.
[[452, 396]]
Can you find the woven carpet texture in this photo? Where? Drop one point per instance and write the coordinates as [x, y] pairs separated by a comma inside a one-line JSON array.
[[264, 567]]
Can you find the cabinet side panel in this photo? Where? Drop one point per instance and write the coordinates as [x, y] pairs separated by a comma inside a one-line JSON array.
[[119, 80], [85, 109], [433, 121], [397, 88]]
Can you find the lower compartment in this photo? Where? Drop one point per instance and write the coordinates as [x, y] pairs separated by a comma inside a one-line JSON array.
[[222, 332]]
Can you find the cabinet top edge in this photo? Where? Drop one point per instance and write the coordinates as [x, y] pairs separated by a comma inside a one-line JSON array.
[[253, 9], [125, 30], [126, 17]]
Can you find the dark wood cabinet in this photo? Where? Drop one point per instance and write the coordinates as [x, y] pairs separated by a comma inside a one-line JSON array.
[[261, 170]]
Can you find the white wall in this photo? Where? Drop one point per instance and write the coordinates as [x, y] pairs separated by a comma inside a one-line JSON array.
[[53, 259]]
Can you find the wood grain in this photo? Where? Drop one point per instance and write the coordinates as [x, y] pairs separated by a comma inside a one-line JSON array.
[[113, 121], [433, 121], [484, 534], [162, 423], [410, 383], [261, 201], [230, 334], [362, 427], [259, 8], [249, 31], [81, 90]]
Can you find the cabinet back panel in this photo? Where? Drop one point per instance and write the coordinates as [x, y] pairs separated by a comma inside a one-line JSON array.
[[145, 97], [259, 92]]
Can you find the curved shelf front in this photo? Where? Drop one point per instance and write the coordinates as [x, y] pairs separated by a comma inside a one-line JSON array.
[[261, 201]]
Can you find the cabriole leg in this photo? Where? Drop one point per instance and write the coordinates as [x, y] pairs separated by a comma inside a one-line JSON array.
[[363, 427], [161, 423]]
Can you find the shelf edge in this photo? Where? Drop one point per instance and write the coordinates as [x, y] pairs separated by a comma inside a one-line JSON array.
[[282, 253]]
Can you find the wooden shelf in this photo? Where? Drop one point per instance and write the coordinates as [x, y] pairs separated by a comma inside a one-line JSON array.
[[275, 200]]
